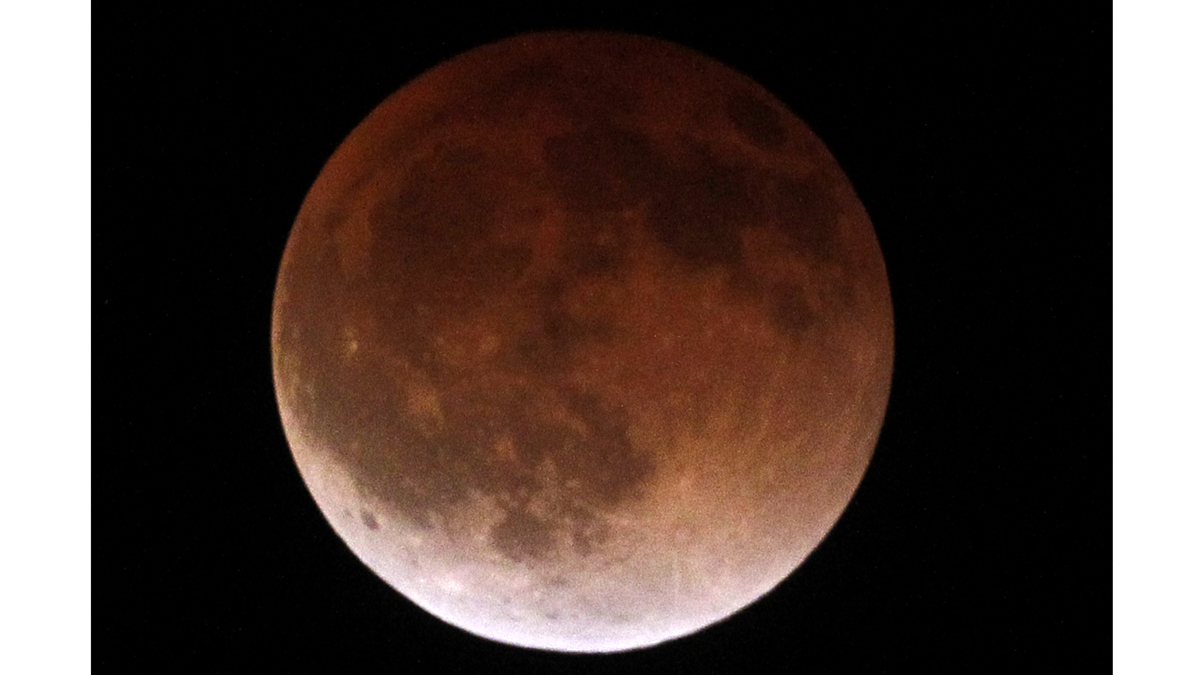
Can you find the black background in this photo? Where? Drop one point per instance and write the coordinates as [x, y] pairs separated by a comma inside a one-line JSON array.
[[979, 141]]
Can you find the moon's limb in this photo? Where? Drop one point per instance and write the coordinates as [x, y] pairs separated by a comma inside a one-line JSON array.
[[582, 341]]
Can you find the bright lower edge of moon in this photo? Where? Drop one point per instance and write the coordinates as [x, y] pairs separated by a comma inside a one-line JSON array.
[[582, 341]]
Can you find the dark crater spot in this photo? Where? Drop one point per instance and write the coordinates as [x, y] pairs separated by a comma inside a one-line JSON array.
[[547, 348], [595, 260], [841, 295], [502, 266], [331, 221], [522, 537], [599, 167], [790, 313], [700, 206], [755, 118], [587, 531], [597, 247], [807, 213], [566, 331], [535, 353], [368, 519], [535, 440]]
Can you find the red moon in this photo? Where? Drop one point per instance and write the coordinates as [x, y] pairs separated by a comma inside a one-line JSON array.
[[582, 341]]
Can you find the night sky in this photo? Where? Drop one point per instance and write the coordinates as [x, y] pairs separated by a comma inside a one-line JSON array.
[[980, 143]]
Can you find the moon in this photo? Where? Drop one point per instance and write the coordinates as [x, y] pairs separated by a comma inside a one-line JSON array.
[[582, 341]]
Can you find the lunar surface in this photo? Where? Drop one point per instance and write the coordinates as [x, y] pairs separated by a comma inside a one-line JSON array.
[[582, 342]]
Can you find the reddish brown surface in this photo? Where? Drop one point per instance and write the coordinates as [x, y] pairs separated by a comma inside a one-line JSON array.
[[582, 341]]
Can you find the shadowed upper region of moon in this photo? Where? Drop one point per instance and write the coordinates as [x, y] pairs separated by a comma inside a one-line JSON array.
[[593, 335], [757, 119]]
